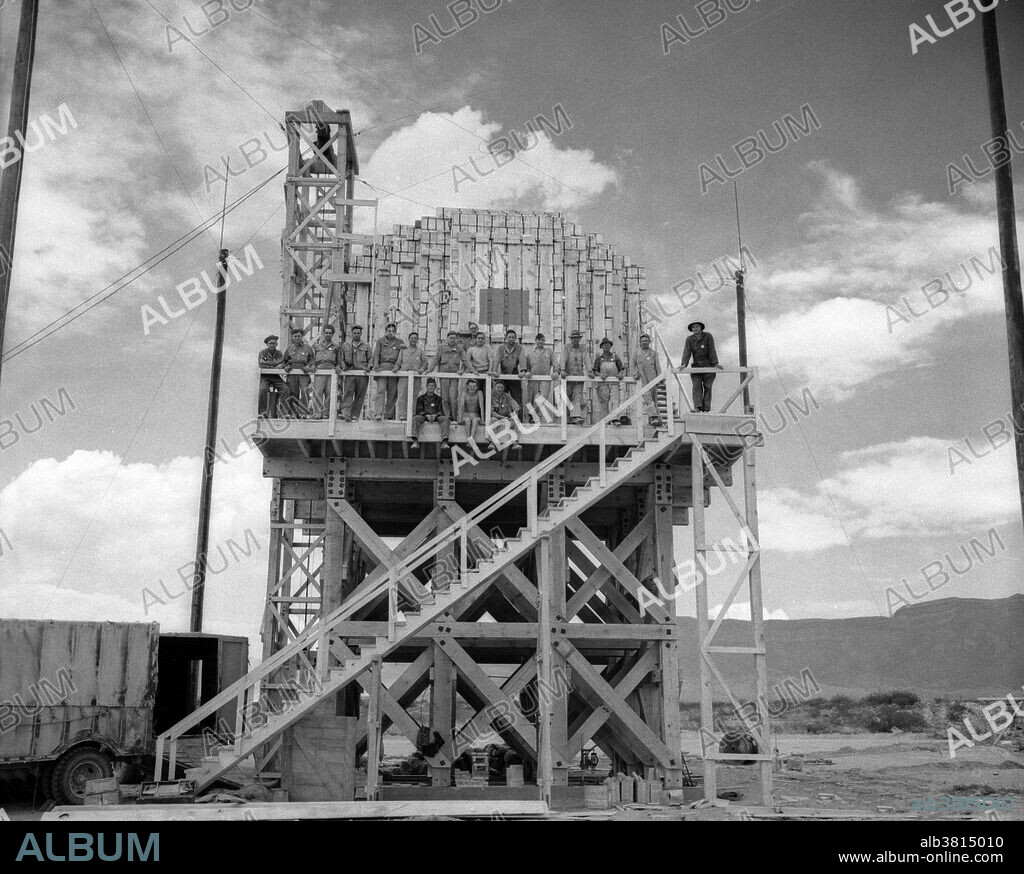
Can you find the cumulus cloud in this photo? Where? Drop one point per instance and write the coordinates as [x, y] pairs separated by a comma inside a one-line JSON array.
[[441, 159], [794, 522], [860, 297], [741, 611], [137, 525], [921, 486]]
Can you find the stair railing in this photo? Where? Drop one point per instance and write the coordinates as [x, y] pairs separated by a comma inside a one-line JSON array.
[[245, 691]]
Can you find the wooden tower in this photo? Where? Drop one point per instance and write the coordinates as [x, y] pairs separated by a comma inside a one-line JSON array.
[[534, 582]]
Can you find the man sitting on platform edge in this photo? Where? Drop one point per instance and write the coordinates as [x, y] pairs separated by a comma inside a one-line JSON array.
[[429, 408]]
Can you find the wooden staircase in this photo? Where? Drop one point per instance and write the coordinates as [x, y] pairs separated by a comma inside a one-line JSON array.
[[314, 674]]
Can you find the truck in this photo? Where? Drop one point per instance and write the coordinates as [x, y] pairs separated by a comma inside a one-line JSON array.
[[81, 699]]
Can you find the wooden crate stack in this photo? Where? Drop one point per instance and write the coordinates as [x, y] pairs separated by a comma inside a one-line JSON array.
[[431, 275]]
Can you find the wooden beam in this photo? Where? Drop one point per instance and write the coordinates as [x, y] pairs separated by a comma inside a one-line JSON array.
[[668, 650], [486, 688], [393, 557], [616, 599], [622, 574], [442, 713], [603, 574], [643, 663], [620, 711], [707, 716]]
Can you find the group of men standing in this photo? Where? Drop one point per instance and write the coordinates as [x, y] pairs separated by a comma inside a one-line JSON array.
[[515, 371]]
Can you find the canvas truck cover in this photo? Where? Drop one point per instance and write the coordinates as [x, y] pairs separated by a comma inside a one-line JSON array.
[[65, 682]]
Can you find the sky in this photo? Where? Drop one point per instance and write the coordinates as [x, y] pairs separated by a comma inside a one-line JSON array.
[[888, 464]]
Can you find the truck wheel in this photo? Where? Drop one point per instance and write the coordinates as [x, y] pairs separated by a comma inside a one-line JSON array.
[[72, 771]]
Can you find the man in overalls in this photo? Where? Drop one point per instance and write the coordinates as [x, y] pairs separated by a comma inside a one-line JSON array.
[[574, 363], [538, 363], [412, 358], [386, 352], [325, 357], [298, 356], [607, 366], [700, 346], [644, 367], [355, 355], [449, 359]]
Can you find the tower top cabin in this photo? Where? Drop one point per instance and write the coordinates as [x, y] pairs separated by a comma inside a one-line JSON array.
[[499, 269]]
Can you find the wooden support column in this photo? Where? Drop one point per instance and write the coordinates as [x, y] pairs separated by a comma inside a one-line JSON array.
[[757, 623], [442, 713], [444, 491], [333, 576], [668, 656], [545, 672], [270, 631], [335, 579], [373, 733], [554, 568], [707, 716]]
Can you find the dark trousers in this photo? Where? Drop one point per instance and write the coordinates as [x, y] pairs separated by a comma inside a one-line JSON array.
[[355, 393], [296, 402], [514, 387], [702, 383], [419, 421], [271, 389]]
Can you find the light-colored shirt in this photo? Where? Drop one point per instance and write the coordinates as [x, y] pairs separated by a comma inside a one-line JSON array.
[[356, 356], [539, 362], [574, 361], [413, 359], [386, 353], [479, 358], [644, 364], [448, 359], [298, 355], [325, 354]]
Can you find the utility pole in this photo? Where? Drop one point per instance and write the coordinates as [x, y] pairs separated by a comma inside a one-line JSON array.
[[10, 177], [1006, 216], [209, 454], [741, 304]]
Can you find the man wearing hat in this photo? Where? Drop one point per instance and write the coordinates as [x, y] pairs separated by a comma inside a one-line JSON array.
[[700, 346], [430, 408], [271, 385], [298, 356], [607, 366], [538, 363], [574, 363], [644, 367]]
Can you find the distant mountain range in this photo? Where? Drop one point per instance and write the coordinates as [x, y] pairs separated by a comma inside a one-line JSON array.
[[953, 648]]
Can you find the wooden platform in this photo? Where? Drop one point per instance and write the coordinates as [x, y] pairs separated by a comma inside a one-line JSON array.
[[320, 438], [492, 808]]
